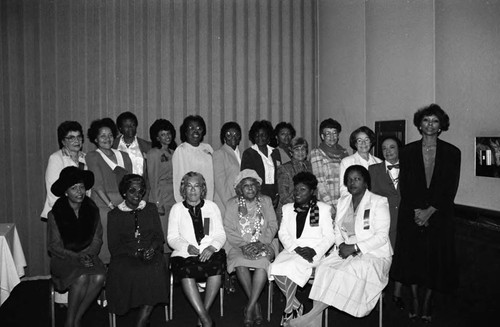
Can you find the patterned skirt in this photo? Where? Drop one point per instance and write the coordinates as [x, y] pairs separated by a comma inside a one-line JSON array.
[[191, 267]]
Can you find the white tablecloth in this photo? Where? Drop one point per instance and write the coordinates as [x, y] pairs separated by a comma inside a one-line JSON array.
[[12, 261]]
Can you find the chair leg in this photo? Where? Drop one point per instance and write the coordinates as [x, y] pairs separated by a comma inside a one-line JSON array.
[[166, 313], [326, 316], [52, 304], [171, 304], [380, 306], [221, 299], [112, 320], [270, 290]]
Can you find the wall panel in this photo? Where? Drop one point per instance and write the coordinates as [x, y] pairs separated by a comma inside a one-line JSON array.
[[82, 60]]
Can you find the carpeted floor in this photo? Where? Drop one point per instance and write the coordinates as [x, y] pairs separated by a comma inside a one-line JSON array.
[[28, 305]]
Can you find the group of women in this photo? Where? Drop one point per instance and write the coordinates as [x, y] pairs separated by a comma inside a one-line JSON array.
[[272, 212]]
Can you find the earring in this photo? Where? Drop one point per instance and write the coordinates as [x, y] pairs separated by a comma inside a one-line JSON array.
[[439, 130]]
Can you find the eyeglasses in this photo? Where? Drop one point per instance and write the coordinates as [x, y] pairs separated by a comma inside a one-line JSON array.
[[134, 191], [232, 134], [328, 134], [73, 138], [249, 186], [361, 141]]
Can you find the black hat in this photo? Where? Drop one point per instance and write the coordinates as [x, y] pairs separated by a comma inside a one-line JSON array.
[[70, 176]]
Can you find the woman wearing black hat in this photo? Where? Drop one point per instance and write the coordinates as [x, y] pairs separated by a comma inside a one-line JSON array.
[[74, 242]]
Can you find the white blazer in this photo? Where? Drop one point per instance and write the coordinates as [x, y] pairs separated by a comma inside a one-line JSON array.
[[354, 159], [181, 230], [371, 227]]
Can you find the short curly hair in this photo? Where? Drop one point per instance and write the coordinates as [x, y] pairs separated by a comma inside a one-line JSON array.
[[65, 127], [124, 116], [97, 124], [281, 126], [330, 123], [227, 126], [184, 180], [256, 126], [432, 110], [306, 178], [185, 123], [127, 180], [158, 126], [360, 169], [362, 129]]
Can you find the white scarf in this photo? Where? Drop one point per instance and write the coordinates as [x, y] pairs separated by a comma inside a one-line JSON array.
[[109, 162]]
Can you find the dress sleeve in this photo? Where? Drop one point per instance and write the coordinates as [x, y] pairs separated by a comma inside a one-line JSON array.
[[174, 236], [231, 225], [94, 247], [55, 245], [153, 169], [54, 167], [176, 168], [217, 232], [158, 239], [285, 185], [319, 172], [92, 159], [380, 218], [268, 234]]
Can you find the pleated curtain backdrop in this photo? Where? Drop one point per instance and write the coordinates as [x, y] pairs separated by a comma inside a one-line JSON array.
[[241, 60]]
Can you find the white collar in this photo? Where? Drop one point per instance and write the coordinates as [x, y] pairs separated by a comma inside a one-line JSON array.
[[123, 207]]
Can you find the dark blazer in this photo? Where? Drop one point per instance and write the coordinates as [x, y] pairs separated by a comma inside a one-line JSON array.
[[251, 160], [426, 255], [382, 185]]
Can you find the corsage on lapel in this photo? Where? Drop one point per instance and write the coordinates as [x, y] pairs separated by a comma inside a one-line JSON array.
[[163, 158], [366, 219]]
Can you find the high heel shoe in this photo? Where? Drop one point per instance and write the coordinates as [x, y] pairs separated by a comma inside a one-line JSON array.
[[413, 314], [247, 320], [427, 312], [259, 320], [398, 301]]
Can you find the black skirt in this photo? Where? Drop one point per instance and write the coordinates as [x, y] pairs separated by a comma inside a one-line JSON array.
[[191, 267]]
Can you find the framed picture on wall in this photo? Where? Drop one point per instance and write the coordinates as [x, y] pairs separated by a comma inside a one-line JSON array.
[[389, 128], [487, 156]]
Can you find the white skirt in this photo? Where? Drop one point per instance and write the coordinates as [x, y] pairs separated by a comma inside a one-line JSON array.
[[293, 266], [352, 285]]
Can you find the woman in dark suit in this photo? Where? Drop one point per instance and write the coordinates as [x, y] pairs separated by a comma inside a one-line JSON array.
[[425, 246], [385, 182]]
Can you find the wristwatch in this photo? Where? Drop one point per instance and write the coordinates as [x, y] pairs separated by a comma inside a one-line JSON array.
[[356, 249]]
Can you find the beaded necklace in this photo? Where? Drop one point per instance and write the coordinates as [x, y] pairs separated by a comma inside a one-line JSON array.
[[245, 220]]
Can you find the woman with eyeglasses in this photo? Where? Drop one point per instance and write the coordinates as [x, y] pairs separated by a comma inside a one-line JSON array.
[[137, 276], [362, 140], [193, 155], [70, 139], [325, 162], [109, 166]]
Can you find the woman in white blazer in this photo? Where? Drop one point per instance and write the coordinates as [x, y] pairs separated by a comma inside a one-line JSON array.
[[353, 276], [306, 233], [196, 235]]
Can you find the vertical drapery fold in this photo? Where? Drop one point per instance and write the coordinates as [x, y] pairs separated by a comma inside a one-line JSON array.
[[87, 59]]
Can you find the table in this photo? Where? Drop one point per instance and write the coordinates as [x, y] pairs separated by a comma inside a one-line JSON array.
[[12, 261]]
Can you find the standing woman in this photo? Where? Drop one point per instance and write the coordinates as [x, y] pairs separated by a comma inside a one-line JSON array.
[[137, 276], [362, 140], [284, 133], [227, 160], [425, 246], [250, 224], [70, 139], [325, 161], [193, 155], [262, 158], [287, 171], [74, 240], [196, 234], [109, 166], [385, 182], [160, 171]]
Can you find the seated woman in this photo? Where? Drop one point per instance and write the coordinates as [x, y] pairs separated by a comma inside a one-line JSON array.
[[196, 235], [352, 278], [74, 240], [306, 233], [137, 276], [250, 224]]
